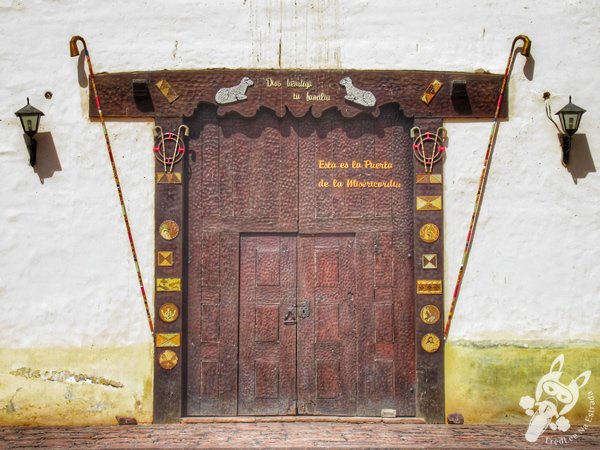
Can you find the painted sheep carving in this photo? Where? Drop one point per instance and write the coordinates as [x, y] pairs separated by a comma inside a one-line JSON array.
[[235, 93], [355, 95]]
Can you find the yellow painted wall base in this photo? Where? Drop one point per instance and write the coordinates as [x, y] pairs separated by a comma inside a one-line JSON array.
[[58, 386], [83, 386], [486, 382]]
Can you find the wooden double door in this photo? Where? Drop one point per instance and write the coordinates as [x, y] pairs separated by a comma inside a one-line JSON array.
[[299, 281], [298, 333]]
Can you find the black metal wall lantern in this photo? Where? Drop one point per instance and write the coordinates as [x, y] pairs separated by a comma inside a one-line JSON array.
[[570, 117], [30, 121]]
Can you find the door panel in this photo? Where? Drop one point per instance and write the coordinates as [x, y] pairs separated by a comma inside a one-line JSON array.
[[213, 324], [386, 371], [352, 171], [326, 331], [249, 174], [267, 357]]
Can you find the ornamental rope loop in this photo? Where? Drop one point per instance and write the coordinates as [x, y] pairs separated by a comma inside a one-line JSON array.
[[160, 150], [525, 51], [75, 52], [437, 147]]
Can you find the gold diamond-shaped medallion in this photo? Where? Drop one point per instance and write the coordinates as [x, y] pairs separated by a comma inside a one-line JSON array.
[[430, 261], [168, 178], [431, 91], [168, 339], [165, 88], [429, 203], [428, 178], [435, 178], [165, 259]]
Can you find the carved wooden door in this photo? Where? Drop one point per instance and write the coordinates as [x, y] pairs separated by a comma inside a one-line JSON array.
[[267, 361], [297, 338], [356, 200], [300, 282], [327, 352]]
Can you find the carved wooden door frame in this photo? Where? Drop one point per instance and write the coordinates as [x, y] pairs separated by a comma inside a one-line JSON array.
[[427, 97]]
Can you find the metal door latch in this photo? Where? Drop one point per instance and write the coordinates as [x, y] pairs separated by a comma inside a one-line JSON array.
[[290, 316], [304, 310]]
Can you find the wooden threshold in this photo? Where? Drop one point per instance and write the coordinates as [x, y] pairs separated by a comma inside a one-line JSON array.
[[311, 419]]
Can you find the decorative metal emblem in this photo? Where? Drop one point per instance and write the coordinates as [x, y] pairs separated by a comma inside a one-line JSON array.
[[429, 233], [430, 261], [430, 343], [168, 284], [356, 95], [165, 88], [168, 312], [169, 230], [168, 359], [290, 316], [429, 203], [233, 94], [168, 339], [428, 178], [168, 178], [430, 314], [165, 259], [431, 91], [176, 147], [428, 148], [429, 287]]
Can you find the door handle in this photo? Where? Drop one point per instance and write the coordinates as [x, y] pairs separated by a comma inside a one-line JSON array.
[[304, 310], [290, 316]]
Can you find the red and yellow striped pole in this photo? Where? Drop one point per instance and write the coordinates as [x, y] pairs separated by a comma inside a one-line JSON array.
[[75, 52], [525, 51]]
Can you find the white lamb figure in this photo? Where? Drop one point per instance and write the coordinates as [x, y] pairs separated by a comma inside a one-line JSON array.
[[235, 93], [358, 96]]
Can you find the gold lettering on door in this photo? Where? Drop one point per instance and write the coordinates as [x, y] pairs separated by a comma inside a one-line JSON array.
[[356, 180]]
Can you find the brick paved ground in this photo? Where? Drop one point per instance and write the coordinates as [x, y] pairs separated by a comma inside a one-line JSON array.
[[278, 434]]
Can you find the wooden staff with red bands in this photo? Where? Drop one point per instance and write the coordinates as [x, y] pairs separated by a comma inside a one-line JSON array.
[[525, 51], [75, 52]]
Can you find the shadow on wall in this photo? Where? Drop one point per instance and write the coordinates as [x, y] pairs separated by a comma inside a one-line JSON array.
[[580, 158], [47, 162], [81, 75], [529, 67]]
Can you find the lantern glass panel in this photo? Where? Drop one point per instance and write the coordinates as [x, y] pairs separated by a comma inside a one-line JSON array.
[[30, 123], [570, 116], [570, 122], [30, 118]]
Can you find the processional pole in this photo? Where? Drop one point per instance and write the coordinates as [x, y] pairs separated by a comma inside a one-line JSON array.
[[75, 52], [525, 51]]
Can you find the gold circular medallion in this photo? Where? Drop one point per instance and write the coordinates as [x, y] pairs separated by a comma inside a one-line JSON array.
[[430, 343], [168, 312], [429, 233], [168, 359], [169, 230], [430, 314]]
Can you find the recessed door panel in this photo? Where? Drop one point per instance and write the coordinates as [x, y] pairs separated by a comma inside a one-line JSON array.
[[327, 353], [267, 357]]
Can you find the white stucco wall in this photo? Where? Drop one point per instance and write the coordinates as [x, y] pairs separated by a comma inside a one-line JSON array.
[[66, 275]]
